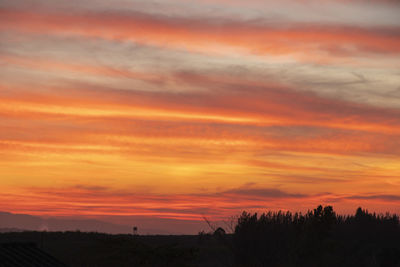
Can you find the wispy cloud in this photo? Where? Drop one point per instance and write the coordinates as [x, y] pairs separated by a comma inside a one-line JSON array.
[[213, 35], [176, 109], [97, 201], [379, 197]]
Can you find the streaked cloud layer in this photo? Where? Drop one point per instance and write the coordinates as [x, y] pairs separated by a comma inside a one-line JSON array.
[[179, 109]]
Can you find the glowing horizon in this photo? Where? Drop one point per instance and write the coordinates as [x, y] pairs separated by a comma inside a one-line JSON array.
[[176, 109]]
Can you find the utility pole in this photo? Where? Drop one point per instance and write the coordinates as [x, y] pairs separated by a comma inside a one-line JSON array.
[[135, 231]]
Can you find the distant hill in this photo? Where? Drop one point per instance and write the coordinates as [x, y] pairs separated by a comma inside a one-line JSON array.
[[10, 222], [11, 230]]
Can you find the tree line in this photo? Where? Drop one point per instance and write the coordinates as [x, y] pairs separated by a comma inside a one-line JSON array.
[[319, 237]]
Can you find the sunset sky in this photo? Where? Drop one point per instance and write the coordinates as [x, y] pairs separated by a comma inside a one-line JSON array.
[[179, 109]]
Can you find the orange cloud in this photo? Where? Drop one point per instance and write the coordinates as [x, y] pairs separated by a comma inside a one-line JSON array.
[[211, 35], [218, 144], [232, 101], [99, 201]]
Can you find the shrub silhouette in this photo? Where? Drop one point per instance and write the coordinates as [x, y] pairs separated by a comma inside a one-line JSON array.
[[317, 238]]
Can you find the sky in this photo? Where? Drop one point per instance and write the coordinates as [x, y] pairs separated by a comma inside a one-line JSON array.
[[173, 110]]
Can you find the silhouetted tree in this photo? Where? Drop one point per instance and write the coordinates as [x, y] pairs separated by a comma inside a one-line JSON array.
[[318, 238]]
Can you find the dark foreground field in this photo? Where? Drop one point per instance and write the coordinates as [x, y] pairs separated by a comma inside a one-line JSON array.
[[318, 238], [95, 249]]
